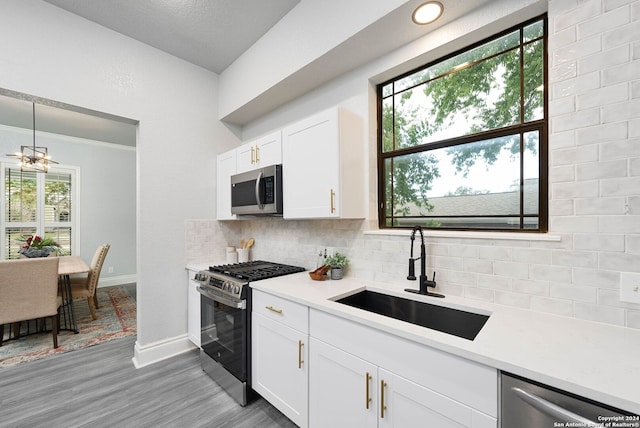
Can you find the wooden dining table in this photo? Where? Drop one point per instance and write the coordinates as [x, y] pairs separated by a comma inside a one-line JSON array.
[[67, 266]]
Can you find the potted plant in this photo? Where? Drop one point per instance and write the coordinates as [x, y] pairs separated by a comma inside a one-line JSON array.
[[35, 246], [337, 262]]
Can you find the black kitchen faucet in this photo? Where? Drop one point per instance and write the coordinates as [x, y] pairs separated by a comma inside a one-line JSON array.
[[424, 282]]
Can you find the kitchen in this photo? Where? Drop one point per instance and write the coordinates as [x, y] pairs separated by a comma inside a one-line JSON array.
[[177, 128]]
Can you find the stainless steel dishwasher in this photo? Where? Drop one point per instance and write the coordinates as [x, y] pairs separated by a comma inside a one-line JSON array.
[[529, 404]]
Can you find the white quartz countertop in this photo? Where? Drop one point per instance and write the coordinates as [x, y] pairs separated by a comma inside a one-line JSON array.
[[594, 360]]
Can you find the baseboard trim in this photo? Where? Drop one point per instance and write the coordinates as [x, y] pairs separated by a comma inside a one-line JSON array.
[[161, 350], [117, 280]]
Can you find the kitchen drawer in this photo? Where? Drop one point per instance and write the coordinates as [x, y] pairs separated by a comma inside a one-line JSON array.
[[282, 310]]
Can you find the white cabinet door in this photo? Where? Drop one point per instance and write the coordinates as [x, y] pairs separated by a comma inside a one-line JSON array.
[[226, 168], [279, 367], [405, 404], [261, 152], [193, 310], [342, 388], [323, 167]]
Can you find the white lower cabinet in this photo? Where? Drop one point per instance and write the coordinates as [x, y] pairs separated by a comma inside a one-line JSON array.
[[279, 358], [369, 378], [322, 370], [342, 388], [347, 391]]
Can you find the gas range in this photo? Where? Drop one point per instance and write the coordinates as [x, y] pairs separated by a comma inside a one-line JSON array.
[[231, 280]]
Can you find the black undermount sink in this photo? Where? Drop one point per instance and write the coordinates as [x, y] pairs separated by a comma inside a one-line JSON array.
[[457, 322]]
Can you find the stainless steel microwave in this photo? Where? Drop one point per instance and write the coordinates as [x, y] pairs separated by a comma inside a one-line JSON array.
[[257, 192]]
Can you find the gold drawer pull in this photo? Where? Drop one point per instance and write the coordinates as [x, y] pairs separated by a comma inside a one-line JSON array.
[[332, 197], [300, 360], [383, 384], [368, 395], [272, 309]]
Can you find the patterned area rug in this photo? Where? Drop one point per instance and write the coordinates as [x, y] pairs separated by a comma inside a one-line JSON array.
[[116, 319]]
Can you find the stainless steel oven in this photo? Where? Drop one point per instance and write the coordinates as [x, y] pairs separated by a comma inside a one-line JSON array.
[[225, 322], [225, 328]]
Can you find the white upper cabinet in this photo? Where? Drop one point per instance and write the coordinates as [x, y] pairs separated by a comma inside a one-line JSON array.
[[323, 161], [226, 168], [264, 151]]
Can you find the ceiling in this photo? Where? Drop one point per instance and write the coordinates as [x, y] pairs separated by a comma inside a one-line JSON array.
[[208, 33], [212, 34]]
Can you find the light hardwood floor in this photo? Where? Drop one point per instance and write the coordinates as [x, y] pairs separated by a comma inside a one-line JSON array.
[[99, 387]]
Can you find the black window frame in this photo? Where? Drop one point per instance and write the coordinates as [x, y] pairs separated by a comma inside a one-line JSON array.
[[540, 125]]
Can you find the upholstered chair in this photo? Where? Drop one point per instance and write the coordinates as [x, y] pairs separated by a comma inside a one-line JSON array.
[[29, 290], [85, 286]]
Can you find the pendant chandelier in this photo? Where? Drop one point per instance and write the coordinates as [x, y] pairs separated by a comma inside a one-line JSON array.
[[33, 158]]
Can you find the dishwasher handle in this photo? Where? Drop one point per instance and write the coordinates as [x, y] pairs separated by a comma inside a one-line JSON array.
[[551, 409]]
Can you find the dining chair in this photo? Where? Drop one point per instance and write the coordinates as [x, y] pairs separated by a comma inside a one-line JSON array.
[[29, 290], [85, 286]]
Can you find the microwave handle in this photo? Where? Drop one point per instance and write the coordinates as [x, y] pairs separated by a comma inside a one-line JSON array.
[[259, 202]]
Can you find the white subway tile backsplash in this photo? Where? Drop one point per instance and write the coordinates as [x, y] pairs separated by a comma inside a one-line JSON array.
[[620, 186], [562, 173], [620, 149], [619, 262], [632, 244], [603, 60], [601, 133], [494, 281], [569, 17], [600, 206], [533, 287], [598, 313], [511, 269], [574, 258], [512, 299], [605, 22], [574, 155], [478, 266], [575, 189], [628, 224], [599, 242], [550, 273], [582, 224], [620, 74], [562, 106], [572, 292], [561, 207], [606, 95], [578, 85], [532, 255], [600, 170], [594, 277], [622, 35]]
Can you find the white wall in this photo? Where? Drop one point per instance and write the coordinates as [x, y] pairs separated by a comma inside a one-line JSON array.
[[53, 54], [107, 201], [594, 174]]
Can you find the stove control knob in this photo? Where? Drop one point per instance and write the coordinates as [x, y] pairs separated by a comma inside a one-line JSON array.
[[236, 289], [225, 286]]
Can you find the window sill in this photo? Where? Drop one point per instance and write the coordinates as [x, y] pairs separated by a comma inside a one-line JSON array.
[[513, 236]]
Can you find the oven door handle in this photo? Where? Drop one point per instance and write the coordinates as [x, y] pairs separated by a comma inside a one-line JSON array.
[[237, 304]]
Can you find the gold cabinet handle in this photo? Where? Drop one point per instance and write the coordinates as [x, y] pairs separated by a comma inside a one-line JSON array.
[[252, 156], [272, 309], [300, 360], [368, 395], [383, 384], [332, 196], [257, 154]]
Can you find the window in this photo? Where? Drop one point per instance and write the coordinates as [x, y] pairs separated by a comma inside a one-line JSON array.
[[37, 203], [462, 142]]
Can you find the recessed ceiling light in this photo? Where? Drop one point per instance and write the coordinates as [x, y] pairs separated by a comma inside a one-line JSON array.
[[427, 12]]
